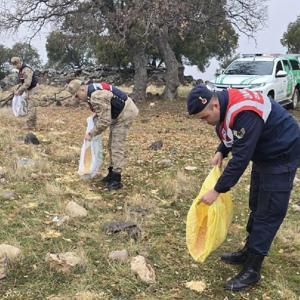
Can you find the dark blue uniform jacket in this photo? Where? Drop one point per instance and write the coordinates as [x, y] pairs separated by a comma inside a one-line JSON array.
[[274, 146]]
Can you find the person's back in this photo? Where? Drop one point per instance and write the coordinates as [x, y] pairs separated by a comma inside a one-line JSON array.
[[280, 138], [26, 72]]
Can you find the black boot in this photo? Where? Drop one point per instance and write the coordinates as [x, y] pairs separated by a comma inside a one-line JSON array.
[[236, 258], [115, 181], [249, 275], [107, 178]]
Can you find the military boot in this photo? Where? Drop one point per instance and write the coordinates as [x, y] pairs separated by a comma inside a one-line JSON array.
[[249, 275], [107, 178], [236, 258], [115, 181]]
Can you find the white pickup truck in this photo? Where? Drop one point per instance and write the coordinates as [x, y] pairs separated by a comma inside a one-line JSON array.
[[276, 76]]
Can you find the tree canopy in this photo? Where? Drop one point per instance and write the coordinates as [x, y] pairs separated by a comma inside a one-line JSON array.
[[65, 49], [136, 29], [291, 38], [23, 50]]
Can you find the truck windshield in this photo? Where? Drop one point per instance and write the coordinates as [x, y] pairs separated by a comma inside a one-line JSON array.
[[250, 68]]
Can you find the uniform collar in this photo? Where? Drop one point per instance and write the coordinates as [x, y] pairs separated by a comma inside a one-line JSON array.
[[223, 100]]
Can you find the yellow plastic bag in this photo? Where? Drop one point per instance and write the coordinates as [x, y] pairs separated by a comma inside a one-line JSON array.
[[207, 225]]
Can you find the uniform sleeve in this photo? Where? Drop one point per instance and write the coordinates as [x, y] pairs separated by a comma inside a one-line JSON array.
[[27, 73], [247, 130], [223, 149], [102, 107]]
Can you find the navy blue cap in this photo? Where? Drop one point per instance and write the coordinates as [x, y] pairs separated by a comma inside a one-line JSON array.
[[198, 98]]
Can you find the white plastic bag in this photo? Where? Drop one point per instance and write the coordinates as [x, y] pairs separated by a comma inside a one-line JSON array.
[[91, 156], [19, 106]]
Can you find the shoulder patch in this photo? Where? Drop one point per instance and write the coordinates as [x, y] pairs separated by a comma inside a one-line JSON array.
[[239, 133]]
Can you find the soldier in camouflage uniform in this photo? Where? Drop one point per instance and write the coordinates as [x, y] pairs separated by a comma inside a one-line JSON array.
[[114, 109], [28, 81]]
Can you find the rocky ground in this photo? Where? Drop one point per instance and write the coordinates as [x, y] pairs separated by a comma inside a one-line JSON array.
[[72, 239]]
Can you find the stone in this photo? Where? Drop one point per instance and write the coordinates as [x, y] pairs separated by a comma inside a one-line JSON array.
[[31, 138], [75, 210], [296, 207], [59, 220], [64, 262], [138, 210], [90, 296], [119, 255], [144, 270], [26, 163], [156, 145], [118, 226], [190, 168], [165, 162], [198, 286], [7, 195], [12, 252]]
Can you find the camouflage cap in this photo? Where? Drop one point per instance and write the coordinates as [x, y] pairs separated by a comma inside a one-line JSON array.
[[74, 86], [15, 60]]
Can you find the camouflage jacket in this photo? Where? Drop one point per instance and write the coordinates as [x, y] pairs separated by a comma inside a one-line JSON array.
[[102, 108], [25, 77]]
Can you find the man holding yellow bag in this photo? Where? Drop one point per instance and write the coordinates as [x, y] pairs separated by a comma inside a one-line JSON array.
[[254, 128]]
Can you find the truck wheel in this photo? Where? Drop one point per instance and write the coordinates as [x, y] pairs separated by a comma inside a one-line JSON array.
[[295, 99]]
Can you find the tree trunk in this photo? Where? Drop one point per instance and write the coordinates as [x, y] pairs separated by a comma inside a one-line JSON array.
[[140, 74], [181, 73], [171, 77]]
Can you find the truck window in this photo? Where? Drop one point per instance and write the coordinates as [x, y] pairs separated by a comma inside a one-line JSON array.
[[286, 65], [250, 68], [279, 67], [295, 64]]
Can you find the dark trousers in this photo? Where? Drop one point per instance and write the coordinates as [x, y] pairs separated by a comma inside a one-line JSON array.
[[268, 202]]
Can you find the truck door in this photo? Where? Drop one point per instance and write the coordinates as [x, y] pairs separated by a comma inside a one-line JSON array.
[[289, 86], [281, 83]]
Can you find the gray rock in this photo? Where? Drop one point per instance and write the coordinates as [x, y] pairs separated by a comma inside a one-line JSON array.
[[118, 226], [12, 252], [75, 210], [31, 138], [7, 195], [139, 210], [156, 145], [26, 163], [190, 168], [121, 255], [143, 269], [165, 162]]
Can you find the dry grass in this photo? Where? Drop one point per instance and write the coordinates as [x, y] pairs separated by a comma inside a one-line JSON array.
[[178, 186]]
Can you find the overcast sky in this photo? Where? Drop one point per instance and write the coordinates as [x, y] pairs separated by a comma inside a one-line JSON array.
[[280, 14]]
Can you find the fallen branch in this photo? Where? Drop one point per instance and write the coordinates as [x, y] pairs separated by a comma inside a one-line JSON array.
[[5, 100]]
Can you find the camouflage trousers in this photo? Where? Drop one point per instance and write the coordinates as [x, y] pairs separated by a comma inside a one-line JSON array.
[[31, 116], [118, 133]]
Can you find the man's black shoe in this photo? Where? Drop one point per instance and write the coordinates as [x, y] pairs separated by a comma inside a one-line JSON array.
[[107, 178], [115, 181], [236, 258], [249, 275]]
